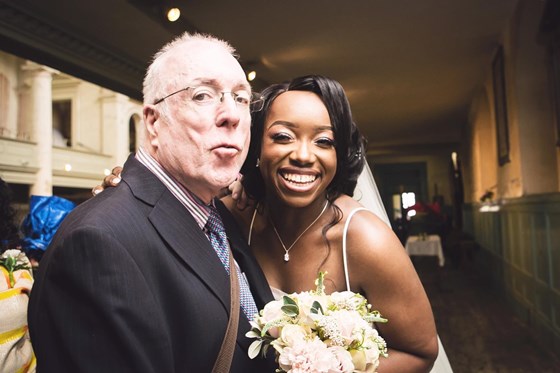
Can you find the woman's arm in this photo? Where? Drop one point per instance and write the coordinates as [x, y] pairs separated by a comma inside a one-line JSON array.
[[380, 269], [237, 196]]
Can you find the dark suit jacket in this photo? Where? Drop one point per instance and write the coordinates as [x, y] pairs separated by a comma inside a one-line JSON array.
[[130, 283]]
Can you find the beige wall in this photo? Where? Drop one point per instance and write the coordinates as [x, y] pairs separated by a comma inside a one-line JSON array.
[[8, 94], [100, 128], [533, 166]]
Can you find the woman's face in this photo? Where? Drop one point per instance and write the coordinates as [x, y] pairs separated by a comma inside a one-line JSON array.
[[298, 155]]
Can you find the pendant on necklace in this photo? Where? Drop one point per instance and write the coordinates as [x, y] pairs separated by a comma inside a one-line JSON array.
[[286, 257]]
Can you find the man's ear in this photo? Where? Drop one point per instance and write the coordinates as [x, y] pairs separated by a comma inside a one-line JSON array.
[[151, 117]]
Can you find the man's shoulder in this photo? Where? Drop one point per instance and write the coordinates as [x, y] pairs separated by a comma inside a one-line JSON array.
[[109, 207]]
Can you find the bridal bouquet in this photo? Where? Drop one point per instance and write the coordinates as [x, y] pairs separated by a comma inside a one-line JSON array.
[[315, 332], [12, 261]]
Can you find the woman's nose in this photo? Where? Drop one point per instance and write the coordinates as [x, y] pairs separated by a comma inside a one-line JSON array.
[[303, 153]]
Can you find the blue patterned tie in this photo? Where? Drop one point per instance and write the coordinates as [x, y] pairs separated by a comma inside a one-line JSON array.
[[218, 239]]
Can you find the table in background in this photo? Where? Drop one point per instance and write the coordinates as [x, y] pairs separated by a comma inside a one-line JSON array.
[[427, 245]]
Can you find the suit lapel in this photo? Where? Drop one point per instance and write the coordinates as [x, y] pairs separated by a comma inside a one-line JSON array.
[[185, 238], [178, 229]]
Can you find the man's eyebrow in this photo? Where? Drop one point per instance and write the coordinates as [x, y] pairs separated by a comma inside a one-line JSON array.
[[215, 83]]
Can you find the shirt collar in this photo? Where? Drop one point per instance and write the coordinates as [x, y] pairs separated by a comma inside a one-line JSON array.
[[198, 209]]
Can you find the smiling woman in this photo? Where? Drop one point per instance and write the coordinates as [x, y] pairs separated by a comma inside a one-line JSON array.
[[304, 161]]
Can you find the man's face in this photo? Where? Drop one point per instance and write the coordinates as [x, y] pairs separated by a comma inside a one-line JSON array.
[[203, 146]]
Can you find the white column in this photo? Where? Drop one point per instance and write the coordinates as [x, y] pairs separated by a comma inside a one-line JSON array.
[[38, 80], [115, 126]]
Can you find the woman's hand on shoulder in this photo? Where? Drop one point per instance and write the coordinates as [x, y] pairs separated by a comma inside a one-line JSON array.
[[109, 181], [238, 198]]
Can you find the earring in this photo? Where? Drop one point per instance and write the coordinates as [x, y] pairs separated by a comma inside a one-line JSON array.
[[258, 162]]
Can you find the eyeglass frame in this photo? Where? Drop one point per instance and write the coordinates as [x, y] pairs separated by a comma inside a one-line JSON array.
[[255, 98]]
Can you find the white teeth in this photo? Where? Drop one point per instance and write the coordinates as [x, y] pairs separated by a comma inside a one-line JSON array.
[[297, 178]]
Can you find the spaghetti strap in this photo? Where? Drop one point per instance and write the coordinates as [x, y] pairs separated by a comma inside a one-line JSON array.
[[344, 232], [251, 226]]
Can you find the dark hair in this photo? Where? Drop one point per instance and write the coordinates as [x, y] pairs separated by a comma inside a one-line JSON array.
[[350, 144], [8, 228]]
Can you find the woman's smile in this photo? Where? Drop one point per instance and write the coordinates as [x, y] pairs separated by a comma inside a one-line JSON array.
[[299, 182]]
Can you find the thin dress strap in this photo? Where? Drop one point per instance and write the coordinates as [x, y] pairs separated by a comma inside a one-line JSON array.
[[344, 258], [251, 226]]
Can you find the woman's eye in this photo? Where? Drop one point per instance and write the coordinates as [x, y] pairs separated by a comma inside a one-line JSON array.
[[281, 137], [325, 142]]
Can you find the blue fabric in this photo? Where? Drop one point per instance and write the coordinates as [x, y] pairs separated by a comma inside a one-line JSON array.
[[218, 239], [45, 215]]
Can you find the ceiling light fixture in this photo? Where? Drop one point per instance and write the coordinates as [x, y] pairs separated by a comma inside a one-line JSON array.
[[251, 75], [173, 14]]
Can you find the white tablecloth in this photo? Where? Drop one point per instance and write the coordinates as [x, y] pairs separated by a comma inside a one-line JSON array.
[[429, 245]]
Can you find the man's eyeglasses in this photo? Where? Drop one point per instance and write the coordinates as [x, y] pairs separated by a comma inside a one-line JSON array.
[[210, 96]]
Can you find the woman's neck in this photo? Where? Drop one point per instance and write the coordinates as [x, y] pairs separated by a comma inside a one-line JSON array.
[[282, 212], [291, 220]]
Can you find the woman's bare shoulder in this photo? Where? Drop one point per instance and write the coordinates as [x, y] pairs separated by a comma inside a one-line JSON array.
[[368, 237], [243, 217]]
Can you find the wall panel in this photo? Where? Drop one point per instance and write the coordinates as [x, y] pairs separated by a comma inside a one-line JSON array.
[[520, 256]]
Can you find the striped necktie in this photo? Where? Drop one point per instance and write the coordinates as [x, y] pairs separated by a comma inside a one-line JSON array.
[[218, 239]]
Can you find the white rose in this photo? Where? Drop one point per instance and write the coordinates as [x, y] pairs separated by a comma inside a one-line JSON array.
[[271, 311], [292, 334]]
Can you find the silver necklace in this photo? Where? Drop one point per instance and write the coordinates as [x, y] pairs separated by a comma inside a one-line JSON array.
[[287, 251]]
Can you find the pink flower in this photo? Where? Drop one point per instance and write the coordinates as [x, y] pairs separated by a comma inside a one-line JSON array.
[[344, 359], [311, 356]]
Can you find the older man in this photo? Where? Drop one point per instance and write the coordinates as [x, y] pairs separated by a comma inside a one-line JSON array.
[[134, 280]]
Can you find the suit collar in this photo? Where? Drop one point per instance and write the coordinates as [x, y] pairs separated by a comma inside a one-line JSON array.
[[177, 227]]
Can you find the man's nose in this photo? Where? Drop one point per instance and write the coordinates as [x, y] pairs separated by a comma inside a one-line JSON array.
[[229, 112]]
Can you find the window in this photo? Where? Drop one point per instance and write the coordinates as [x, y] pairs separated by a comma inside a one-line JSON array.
[[62, 123], [409, 200], [132, 135]]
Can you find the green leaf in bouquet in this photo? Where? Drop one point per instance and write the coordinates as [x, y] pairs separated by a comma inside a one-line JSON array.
[[255, 348], [317, 308], [253, 334], [290, 307], [271, 324], [374, 316]]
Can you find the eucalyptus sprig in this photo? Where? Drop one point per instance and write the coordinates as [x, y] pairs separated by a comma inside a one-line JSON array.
[[14, 260]]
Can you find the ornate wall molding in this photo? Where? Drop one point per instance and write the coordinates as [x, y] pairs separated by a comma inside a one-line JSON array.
[[29, 36]]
